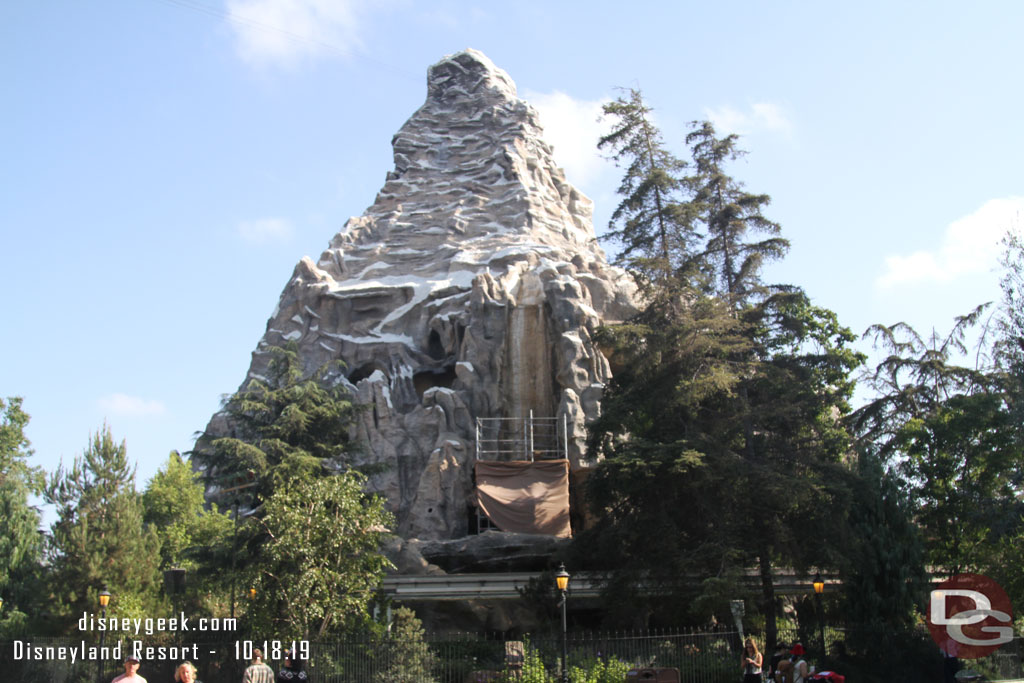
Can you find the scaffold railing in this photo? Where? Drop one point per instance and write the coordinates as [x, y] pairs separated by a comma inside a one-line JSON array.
[[522, 438]]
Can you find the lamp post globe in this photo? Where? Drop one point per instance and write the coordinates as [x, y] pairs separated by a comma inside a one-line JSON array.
[[819, 588]]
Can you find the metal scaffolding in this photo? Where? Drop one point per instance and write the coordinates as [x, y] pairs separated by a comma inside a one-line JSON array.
[[522, 438]]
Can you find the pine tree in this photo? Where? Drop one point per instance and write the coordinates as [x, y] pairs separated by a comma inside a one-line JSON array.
[[1008, 354], [98, 539], [720, 433], [20, 541], [731, 217], [1009, 344], [651, 223], [283, 426], [665, 443], [409, 658], [303, 525], [686, 486]]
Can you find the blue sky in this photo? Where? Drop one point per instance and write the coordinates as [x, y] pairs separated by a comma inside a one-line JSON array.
[[168, 162]]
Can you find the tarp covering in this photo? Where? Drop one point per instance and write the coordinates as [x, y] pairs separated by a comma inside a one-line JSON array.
[[525, 497]]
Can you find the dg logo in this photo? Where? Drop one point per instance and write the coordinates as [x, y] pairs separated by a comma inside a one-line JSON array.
[[970, 616]]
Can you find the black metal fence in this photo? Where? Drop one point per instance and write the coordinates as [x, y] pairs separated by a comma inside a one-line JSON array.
[[701, 656]]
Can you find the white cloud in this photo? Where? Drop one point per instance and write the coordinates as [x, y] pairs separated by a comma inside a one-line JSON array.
[[970, 245], [572, 128], [286, 31], [761, 117], [265, 230], [123, 405]]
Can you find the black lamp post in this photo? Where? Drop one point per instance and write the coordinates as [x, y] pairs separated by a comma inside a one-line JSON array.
[[819, 588], [104, 601], [562, 581], [240, 485]]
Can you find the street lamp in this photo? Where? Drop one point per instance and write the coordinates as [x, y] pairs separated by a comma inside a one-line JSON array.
[[819, 588], [252, 593], [104, 601], [562, 581]]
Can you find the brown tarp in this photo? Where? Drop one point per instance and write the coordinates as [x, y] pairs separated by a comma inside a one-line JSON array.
[[525, 497]]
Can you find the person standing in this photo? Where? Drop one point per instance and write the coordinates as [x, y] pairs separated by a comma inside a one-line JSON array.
[[186, 673], [781, 653], [292, 671], [751, 661], [950, 662], [131, 671], [258, 672], [801, 669]]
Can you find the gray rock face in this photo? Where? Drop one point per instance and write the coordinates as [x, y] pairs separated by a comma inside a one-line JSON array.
[[470, 288]]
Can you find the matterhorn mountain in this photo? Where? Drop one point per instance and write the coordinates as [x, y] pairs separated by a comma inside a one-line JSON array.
[[462, 303]]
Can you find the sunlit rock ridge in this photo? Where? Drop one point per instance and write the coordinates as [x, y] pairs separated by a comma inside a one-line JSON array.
[[470, 288]]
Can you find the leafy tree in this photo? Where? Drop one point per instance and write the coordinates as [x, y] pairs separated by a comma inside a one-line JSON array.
[[730, 216], [98, 539], [319, 562], [281, 426], [949, 430], [173, 504], [651, 223], [915, 378], [20, 540]]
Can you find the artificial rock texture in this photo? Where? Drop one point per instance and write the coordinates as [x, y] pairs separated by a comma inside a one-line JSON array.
[[470, 288]]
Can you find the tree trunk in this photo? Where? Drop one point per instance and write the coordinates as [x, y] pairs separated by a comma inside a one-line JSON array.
[[771, 633]]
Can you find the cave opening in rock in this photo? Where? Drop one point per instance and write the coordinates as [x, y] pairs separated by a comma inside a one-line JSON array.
[[364, 371], [428, 379], [435, 349]]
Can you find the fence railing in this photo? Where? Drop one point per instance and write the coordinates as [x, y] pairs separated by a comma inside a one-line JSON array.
[[701, 656]]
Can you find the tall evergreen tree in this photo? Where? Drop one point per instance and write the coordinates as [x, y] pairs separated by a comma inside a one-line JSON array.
[[685, 487], [282, 426], [98, 539], [663, 438], [20, 540], [304, 528], [1009, 342], [15, 449], [883, 566], [651, 223], [1008, 555], [720, 433], [731, 218]]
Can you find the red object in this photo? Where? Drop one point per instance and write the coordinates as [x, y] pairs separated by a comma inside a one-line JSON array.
[[797, 650], [831, 676]]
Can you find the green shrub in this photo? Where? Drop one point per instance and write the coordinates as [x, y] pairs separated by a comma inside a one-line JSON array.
[[599, 671]]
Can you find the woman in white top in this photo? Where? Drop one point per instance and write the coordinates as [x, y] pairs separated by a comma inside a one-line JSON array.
[[801, 670], [751, 661]]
